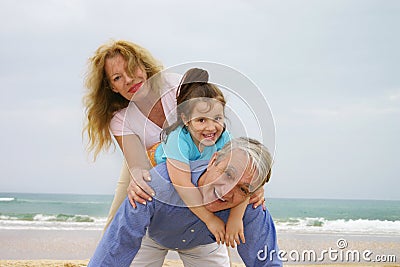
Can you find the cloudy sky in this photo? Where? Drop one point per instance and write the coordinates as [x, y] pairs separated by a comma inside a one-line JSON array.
[[329, 70]]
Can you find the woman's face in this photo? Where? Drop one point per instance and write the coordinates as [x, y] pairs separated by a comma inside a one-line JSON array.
[[116, 71], [206, 123]]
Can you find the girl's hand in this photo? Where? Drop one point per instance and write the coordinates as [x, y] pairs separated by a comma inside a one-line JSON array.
[[258, 198], [217, 228], [138, 190], [234, 232]]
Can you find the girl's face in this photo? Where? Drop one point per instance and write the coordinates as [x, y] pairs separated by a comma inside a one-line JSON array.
[[116, 71], [206, 123]]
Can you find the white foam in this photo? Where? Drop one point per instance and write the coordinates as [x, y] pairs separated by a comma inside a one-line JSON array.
[[6, 199], [41, 224], [41, 217], [5, 217], [360, 226]]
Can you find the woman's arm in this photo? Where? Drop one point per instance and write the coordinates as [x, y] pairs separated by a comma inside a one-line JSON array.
[[138, 165]]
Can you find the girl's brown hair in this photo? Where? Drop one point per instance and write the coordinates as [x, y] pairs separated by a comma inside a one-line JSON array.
[[194, 87]]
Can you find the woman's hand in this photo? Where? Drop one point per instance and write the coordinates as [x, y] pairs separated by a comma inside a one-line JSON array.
[[258, 198], [138, 190]]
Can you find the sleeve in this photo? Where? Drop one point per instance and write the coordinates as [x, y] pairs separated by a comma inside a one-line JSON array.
[[123, 238], [178, 146], [261, 247], [225, 138], [119, 125]]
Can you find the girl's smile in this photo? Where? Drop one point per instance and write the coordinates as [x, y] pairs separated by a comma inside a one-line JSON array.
[[206, 123]]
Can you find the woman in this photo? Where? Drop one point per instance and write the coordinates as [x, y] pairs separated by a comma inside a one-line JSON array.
[[116, 75], [122, 73]]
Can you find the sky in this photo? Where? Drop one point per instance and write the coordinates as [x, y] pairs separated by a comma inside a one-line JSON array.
[[329, 72]]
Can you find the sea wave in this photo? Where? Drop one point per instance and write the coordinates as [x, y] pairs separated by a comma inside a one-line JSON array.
[[51, 222], [6, 199], [18, 200], [297, 225], [359, 226], [47, 218]]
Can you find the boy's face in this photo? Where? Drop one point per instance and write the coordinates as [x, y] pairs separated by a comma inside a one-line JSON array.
[[206, 122]]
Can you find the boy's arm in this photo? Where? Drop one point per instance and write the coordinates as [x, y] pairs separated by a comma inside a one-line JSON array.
[[180, 176]]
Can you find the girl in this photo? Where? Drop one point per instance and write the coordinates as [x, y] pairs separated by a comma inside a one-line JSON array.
[[197, 134]]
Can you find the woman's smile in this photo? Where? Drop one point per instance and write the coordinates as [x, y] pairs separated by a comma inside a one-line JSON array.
[[135, 87]]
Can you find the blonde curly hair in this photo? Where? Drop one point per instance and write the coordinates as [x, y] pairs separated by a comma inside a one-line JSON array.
[[100, 101]]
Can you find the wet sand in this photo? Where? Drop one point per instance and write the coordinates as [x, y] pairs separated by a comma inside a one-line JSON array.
[[74, 248]]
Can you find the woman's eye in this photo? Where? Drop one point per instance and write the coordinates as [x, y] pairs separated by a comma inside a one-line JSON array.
[[116, 78], [201, 120]]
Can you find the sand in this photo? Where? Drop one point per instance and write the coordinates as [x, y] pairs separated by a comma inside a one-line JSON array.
[[74, 248]]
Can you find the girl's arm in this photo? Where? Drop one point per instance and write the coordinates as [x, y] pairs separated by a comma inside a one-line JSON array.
[[138, 165], [234, 225], [258, 198], [180, 176]]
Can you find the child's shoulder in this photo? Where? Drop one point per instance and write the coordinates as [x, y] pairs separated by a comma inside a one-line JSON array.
[[179, 137], [179, 133], [226, 136]]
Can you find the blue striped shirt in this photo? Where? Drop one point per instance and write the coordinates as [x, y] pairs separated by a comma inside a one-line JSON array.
[[174, 226]]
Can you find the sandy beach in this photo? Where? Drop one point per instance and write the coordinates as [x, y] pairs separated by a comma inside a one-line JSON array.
[[167, 263], [74, 248]]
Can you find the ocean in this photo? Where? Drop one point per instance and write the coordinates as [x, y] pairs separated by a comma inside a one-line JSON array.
[[88, 212], [53, 211]]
